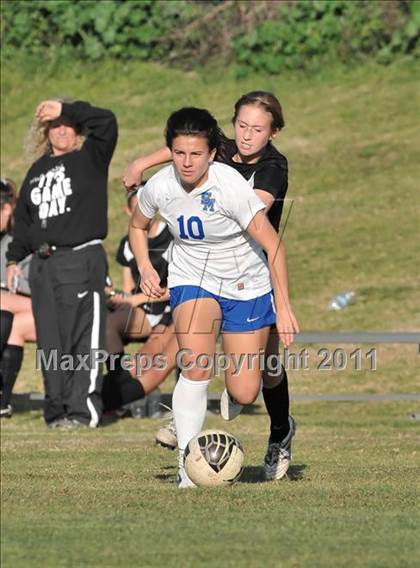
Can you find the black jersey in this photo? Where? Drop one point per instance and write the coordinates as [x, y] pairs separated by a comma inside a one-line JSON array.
[[158, 253], [268, 174], [63, 200]]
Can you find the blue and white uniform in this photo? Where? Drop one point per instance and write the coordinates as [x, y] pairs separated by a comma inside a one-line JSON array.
[[212, 255]]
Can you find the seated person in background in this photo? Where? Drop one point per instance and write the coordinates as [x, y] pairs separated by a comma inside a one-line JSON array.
[[134, 316], [17, 322]]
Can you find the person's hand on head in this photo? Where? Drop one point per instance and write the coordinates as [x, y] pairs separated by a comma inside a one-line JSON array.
[[48, 110]]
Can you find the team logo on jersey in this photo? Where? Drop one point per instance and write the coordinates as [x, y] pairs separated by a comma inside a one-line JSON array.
[[207, 201]]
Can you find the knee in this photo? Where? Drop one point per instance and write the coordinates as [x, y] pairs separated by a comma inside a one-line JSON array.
[[195, 374], [246, 398]]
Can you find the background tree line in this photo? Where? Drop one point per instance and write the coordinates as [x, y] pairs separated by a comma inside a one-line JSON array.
[[264, 35]]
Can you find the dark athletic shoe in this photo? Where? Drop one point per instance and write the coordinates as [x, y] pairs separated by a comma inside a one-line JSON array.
[[279, 455]]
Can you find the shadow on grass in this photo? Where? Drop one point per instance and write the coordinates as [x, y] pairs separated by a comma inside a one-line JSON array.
[[169, 474], [251, 474], [255, 474]]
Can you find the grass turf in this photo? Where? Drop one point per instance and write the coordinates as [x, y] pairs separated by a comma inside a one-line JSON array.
[[107, 497]]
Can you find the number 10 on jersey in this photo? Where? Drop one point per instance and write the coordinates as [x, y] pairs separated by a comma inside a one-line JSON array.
[[191, 228]]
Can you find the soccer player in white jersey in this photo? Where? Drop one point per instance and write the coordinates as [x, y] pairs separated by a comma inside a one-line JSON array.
[[257, 120], [219, 278]]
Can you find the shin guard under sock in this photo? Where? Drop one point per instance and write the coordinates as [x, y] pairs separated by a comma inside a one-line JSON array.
[[277, 403]]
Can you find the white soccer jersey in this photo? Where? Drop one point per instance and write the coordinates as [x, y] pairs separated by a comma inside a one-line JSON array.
[[211, 248]]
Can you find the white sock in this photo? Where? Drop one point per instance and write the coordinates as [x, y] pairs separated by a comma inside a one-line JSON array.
[[189, 405]]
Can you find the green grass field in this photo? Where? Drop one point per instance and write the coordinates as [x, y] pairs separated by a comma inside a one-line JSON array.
[[107, 498]]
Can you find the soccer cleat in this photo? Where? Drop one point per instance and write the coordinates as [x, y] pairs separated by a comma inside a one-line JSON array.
[[166, 436], [229, 408], [6, 412], [279, 454]]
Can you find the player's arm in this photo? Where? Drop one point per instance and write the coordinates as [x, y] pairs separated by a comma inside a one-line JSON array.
[[262, 232], [128, 280], [266, 197], [135, 300], [134, 172], [137, 234]]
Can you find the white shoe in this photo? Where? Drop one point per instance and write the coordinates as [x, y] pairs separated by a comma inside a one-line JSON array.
[[166, 436], [229, 408], [279, 455], [182, 480]]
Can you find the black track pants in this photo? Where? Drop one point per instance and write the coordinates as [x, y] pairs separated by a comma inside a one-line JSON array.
[[68, 303]]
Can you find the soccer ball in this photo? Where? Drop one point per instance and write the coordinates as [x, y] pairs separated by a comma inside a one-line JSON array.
[[214, 457]]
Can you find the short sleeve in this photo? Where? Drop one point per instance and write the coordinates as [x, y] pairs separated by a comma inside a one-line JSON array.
[[243, 210], [272, 179], [147, 201], [124, 254]]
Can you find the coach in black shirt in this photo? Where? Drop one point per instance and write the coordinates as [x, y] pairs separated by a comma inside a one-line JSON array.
[[61, 216]]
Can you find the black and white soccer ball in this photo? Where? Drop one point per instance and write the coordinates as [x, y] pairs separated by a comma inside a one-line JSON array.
[[213, 458]]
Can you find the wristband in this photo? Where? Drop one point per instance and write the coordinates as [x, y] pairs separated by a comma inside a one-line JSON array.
[[10, 263]]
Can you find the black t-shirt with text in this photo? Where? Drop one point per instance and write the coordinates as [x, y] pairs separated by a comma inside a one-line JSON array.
[[63, 200]]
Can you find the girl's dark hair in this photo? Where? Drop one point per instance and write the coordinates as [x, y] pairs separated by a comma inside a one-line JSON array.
[[7, 197], [191, 121], [265, 100]]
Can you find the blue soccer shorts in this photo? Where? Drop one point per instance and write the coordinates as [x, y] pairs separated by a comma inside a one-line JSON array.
[[237, 315]]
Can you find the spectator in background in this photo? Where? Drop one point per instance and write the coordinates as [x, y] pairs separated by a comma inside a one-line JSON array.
[[61, 217], [134, 316]]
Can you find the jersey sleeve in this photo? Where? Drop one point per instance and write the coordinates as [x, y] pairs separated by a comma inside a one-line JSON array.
[[146, 197], [243, 210], [121, 257], [272, 179]]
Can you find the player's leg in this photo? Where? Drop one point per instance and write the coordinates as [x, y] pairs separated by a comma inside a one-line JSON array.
[[276, 397], [14, 303], [151, 365], [157, 357], [23, 329], [6, 321], [243, 376], [251, 319], [197, 325], [125, 323], [120, 386]]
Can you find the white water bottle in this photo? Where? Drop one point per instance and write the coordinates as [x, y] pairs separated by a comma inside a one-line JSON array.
[[342, 300]]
